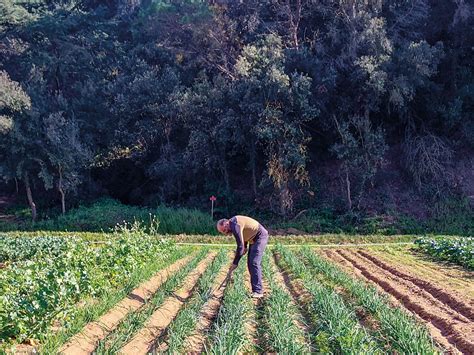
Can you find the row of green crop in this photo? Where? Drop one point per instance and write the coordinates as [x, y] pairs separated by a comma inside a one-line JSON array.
[[45, 288], [401, 331], [280, 317], [337, 327], [228, 335], [457, 250]]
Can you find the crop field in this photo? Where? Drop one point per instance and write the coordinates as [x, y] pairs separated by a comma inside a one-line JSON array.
[[140, 295]]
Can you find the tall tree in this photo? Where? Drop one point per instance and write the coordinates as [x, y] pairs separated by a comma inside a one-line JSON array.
[[282, 106]]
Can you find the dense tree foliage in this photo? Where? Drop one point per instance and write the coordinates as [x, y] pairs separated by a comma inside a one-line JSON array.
[[171, 101]]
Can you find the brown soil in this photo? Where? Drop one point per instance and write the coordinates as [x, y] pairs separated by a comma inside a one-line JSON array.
[[86, 341], [145, 339], [195, 343], [446, 325], [444, 276], [449, 298], [23, 349], [332, 256]]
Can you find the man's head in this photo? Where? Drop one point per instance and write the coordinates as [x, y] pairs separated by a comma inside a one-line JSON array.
[[223, 226]]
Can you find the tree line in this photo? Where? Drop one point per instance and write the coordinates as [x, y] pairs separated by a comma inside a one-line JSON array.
[[176, 99]]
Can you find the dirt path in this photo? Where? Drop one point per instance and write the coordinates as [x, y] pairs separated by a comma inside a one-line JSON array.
[[145, 339], [451, 326], [449, 298], [86, 341], [196, 342]]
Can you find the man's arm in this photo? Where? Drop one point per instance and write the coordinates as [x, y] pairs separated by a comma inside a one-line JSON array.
[[241, 245]]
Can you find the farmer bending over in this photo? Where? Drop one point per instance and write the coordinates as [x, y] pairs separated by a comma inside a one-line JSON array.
[[247, 232]]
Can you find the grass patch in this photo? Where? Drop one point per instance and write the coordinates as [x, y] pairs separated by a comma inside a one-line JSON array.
[[105, 214], [322, 239]]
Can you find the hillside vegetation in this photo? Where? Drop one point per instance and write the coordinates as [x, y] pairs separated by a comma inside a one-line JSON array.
[[360, 108]]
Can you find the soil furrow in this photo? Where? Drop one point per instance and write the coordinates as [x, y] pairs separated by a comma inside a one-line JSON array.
[[145, 339], [455, 331], [86, 341], [196, 341], [448, 298]]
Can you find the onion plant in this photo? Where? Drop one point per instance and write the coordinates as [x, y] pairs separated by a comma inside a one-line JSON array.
[[337, 327], [401, 330], [280, 316]]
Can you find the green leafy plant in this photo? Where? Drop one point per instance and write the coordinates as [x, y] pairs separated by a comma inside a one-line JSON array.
[[457, 250], [44, 287]]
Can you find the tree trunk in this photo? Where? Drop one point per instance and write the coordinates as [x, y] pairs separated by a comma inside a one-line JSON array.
[[253, 157], [226, 176], [225, 173], [61, 191], [16, 185], [348, 190], [29, 195]]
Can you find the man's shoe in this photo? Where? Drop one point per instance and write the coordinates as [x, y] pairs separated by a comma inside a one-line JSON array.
[[256, 295]]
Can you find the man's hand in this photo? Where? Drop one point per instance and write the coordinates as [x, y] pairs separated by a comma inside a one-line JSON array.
[[230, 272], [231, 269]]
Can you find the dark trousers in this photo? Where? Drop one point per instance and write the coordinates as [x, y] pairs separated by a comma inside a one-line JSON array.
[[254, 261]]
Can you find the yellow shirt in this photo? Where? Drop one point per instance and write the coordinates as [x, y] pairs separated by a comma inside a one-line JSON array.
[[248, 228]]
